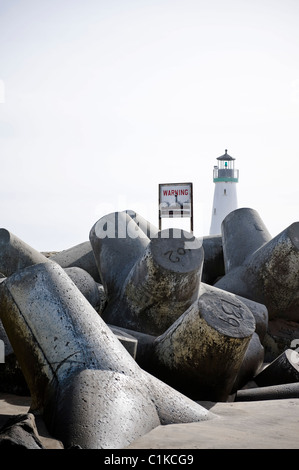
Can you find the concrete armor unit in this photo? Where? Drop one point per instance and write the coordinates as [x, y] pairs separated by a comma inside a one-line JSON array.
[[225, 178]]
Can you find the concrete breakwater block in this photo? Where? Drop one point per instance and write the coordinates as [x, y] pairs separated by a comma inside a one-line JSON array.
[[281, 333], [162, 284], [16, 254], [149, 229], [149, 283], [201, 353], [243, 232], [273, 392], [11, 376], [270, 275], [145, 356], [117, 243], [252, 363], [127, 340], [259, 311], [88, 286], [284, 369], [78, 372], [213, 264], [80, 256]]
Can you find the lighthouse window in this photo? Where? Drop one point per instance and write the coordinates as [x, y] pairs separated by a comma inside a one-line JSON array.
[[214, 210], [225, 192]]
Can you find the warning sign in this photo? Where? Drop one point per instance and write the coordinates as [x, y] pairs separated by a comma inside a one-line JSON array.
[[175, 200]]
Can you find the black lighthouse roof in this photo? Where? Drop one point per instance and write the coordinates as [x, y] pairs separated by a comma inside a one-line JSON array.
[[226, 156]]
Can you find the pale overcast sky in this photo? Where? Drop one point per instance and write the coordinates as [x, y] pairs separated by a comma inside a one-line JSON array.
[[102, 100]]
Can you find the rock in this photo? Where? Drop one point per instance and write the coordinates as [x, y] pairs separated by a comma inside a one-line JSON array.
[[20, 432]]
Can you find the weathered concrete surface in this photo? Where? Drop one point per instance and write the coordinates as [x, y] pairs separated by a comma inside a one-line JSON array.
[[259, 311], [63, 345], [126, 339], [117, 243], [213, 265], [271, 392], [270, 275], [279, 337], [147, 227], [81, 256], [252, 363], [161, 284], [16, 254], [283, 370], [243, 232], [145, 345], [202, 352], [88, 286], [270, 424]]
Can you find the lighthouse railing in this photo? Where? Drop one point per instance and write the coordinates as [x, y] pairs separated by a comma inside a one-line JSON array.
[[222, 174]]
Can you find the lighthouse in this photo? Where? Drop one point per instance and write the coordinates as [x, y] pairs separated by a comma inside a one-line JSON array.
[[225, 178]]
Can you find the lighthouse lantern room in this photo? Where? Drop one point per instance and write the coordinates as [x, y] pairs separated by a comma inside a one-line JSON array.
[[225, 177]]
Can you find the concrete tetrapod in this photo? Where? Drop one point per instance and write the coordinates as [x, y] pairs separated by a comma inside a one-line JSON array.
[[259, 311], [163, 283], [284, 369], [243, 232], [88, 286], [252, 363], [117, 243], [213, 265], [156, 287], [147, 227], [252, 360], [80, 256], [16, 254], [272, 392], [202, 352], [90, 390], [270, 275]]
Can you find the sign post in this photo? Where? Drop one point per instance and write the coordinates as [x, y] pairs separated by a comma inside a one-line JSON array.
[[176, 200]]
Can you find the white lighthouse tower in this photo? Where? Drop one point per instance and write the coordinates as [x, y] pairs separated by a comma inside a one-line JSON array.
[[225, 178]]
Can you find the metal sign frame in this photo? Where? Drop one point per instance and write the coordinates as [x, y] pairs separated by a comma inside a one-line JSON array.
[[176, 200]]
